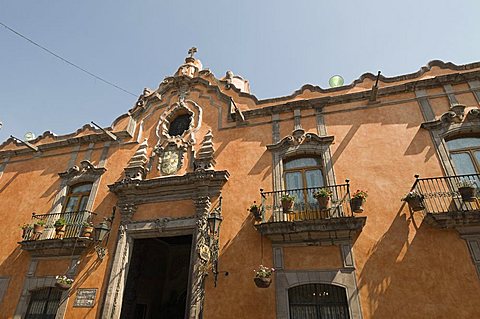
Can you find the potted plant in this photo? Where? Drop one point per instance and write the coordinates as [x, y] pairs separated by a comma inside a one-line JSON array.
[[414, 201], [323, 196], [287, 203], [38, 226], [263, 276], [26, 229], [467, 190], [60, 226], [63, 282], [87, 229], [357, 200], [255, 211]]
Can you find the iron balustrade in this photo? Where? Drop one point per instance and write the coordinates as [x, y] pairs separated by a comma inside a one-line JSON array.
[[306, 206], [441, 195], [74, 224]]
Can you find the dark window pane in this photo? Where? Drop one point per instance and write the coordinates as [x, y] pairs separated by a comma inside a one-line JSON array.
[[179, 125], [81, 188], [313, 301]]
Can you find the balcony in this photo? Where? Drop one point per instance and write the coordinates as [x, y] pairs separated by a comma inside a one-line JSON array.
[[49, 243], [308, 222], [443, 204]]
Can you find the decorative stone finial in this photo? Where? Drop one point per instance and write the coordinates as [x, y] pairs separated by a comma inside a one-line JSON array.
[[205, 160], [136, 166]]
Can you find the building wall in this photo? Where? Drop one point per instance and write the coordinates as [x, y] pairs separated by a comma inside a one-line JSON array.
[[404, 268]]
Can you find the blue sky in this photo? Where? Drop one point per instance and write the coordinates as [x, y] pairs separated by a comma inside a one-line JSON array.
[[277, 45]]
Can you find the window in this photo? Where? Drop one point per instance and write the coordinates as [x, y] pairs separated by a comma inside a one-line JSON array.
[[465, 153], [77, 198], [318, 301], [302, 176], [179, 125], [44, 303]]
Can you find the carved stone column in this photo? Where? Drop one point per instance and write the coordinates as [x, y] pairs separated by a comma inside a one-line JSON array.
[[201, 258]]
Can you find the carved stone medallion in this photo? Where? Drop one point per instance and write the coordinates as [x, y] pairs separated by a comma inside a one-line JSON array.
[[170, 161]]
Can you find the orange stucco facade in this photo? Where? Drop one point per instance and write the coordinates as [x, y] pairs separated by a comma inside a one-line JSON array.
[[395, 265]]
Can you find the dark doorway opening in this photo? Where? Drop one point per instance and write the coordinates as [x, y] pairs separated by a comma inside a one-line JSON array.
[[157, 282]]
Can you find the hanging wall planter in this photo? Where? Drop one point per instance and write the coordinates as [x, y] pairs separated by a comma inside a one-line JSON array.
[[263, 276], [357, 201], [255, 211], [63, 282], [262, 282], [414, 201]]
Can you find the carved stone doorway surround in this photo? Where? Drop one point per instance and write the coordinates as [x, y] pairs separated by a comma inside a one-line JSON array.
[[201, 187]]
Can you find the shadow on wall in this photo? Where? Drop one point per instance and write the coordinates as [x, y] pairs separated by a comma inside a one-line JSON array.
[[419, 278], [240, 256], [15, 267]]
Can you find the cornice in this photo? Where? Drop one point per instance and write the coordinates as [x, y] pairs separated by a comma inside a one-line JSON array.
[[324, 101], [188, 186]]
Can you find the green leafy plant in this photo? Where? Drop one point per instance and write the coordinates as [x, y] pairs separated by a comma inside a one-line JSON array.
[[360, 194], [40, 222], [87, 224], [264, 272], [412, 195], [60, 222], [254, 207], [64, 280], [288, 198], [322, 192], [26, 226]]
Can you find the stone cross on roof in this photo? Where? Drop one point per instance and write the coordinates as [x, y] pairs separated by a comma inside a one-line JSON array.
[[192, 51]]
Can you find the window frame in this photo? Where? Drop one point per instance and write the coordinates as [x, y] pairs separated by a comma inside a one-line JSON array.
[[47, 301], [80, 195]]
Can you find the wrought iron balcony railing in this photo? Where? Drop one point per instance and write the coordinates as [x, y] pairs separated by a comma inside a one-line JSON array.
[[306, 206], [441, 194], [75, 222]]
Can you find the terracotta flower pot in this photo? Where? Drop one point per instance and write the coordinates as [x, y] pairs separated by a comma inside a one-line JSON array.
[[60, 231], [415, 203], [467, 193], [262, 282], [87, 231], [38, 229], [287, 206], [323, 202], [356, 204], [62, 285]]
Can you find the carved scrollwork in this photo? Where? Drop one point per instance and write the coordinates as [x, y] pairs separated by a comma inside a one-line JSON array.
[[85, 172]]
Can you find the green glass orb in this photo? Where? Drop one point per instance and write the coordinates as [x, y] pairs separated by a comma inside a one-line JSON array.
[[335, 81]]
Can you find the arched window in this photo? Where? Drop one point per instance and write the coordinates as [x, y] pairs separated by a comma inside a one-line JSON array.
[[301, 176], [77, 198], [465, 153], [44, 303], [318, 301]]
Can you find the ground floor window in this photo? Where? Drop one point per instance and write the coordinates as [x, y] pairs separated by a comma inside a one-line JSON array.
[[44, 303], [318, 301]]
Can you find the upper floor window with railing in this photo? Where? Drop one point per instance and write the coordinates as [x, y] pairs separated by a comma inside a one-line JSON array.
[[465, 154], [77, 198], [302, 174]]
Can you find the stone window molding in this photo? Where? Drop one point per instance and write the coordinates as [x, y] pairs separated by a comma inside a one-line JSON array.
[[300, 143], [452, 124], [345, 278], [86, 172], [32, 284]]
